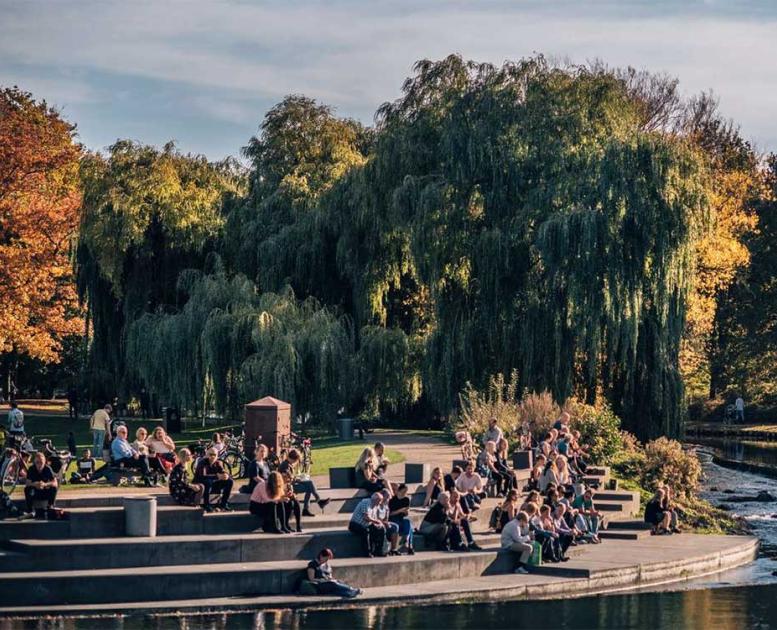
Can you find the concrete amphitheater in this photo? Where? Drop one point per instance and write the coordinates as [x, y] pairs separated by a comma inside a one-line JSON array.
[[201, 562]]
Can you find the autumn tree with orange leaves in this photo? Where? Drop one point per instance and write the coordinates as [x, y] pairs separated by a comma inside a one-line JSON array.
[[39, 204]]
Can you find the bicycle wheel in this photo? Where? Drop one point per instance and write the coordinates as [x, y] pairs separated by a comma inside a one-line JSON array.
[[9, 474], [233, 461]]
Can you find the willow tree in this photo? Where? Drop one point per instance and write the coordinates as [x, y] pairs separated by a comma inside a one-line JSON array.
[[548, 229], [146, 216]]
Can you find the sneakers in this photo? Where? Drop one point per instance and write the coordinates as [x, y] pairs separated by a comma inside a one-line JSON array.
[[410, 551], [475, 547], [26, 516], [307, 513], [521, 571]]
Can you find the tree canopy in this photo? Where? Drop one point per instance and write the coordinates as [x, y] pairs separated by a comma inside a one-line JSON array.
[[39, 201], [564, 224]]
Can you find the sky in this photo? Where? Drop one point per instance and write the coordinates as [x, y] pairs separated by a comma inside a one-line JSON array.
[[204, 72]]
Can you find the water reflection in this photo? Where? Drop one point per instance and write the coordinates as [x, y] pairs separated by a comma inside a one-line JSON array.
[[722, 609]]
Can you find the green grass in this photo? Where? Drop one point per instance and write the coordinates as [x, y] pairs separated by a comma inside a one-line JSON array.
[[330, 453]]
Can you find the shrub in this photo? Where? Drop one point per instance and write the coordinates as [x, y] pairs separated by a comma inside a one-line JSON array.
[[538, 412], [667, 462], [599, 430], [498, 401]]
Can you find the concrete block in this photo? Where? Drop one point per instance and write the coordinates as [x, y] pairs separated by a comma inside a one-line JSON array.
[[342, 477], [523, 460], [417, 473], [140, 516]]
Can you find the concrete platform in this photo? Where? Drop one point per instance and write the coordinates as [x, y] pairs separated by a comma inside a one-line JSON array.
[[613, 566]]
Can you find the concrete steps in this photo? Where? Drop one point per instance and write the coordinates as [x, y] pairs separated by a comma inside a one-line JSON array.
[[225, 579], [124, 552], [198, 555]]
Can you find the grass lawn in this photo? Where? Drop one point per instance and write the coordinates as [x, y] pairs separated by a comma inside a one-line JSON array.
[[332, 453]]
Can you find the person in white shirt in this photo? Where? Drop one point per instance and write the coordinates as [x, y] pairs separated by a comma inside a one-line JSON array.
[[739, 405], [494, 433], [517, 537], [470, 485], [15, 420]]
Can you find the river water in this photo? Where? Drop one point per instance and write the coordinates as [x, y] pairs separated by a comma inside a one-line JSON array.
[[736, 599]]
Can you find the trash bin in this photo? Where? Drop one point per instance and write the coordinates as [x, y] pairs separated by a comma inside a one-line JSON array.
[[172, 420], [140, 516], [345, 428]]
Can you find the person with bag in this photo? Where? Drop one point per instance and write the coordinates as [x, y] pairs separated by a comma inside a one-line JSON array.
[[320, 579], [518, 538]]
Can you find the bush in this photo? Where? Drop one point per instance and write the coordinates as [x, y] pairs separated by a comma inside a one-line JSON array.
[[599, 430], [667, 462], [538, 412], [497, 401]]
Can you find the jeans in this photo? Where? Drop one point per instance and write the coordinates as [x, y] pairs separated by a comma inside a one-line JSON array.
[[592, 524], [97, 445], [309, 488], [469, 502], [333, 587], [405, 529]]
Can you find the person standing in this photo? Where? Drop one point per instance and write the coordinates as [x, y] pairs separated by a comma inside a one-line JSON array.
[[15, 421], [100, 424], [145, 403], [72, 402], [739, 405]]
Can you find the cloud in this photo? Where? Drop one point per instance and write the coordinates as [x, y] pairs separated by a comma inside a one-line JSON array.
[[226, 58]]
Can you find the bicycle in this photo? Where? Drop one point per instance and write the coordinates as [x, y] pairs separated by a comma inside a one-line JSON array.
[[14, 463], [303, 445]]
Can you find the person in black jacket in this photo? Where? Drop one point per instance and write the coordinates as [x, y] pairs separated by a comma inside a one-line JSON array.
[[655, 514]]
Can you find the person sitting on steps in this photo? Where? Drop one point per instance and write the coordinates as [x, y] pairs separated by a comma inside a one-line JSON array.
[[180, 485], [518, 538], [124, 455], [460, 525], [267, 503], [258, 468], [41, 485], [214, 477], [367, 526], [319, 576], [668, 506], [470, 487], [366, 478], [383, 513], [659, 519], [436, 524], [434, 486], [399, 513], [289, 469]]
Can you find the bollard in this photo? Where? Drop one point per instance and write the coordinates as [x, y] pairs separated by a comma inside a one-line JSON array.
[[140, 516]]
